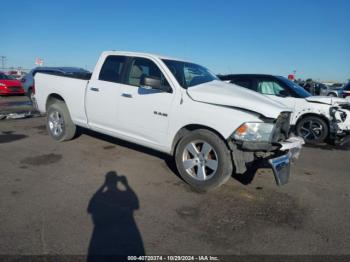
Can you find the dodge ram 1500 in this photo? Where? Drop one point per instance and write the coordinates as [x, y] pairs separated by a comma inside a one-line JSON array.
[[176, 107]]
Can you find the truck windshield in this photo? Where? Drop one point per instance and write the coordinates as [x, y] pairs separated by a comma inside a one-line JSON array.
[[189, 74], [301, 92]]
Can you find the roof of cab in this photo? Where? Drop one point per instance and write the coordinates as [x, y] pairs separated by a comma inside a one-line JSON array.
[[127, 53], [246, 75]]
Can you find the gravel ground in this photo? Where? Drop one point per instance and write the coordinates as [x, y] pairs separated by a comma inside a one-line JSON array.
[[99, 194]]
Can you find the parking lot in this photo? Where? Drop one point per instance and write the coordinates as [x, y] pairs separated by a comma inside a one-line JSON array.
[[52, 201]]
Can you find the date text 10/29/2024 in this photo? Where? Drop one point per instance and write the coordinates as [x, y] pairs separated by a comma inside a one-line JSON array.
[[173, 258]]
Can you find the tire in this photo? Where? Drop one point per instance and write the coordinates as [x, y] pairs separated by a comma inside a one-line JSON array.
[[313, 129], [332, 95], [58, 119], [207, 158]]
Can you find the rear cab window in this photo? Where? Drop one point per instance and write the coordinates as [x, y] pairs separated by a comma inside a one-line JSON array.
[[112, 69]]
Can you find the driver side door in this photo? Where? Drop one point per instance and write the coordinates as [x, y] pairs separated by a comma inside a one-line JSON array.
[[144, 111]]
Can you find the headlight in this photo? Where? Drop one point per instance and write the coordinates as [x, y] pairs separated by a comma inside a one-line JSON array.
[[333, 110], [259, 132], [1, 84], [339, 115]]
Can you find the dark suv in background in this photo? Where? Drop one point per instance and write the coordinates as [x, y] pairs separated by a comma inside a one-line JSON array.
[[28, 80], [253, 81]]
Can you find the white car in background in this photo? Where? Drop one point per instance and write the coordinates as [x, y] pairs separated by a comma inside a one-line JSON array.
[[315, 118]]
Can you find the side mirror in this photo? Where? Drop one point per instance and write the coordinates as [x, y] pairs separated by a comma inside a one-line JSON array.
[[154, 83]]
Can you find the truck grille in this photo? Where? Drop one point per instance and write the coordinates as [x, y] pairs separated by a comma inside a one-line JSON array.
[[282, 126]]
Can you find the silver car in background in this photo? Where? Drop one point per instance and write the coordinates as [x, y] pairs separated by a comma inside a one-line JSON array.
[[335, 90]]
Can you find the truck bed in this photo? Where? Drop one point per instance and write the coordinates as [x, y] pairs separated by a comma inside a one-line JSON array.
[[71, 89], [77, 75]]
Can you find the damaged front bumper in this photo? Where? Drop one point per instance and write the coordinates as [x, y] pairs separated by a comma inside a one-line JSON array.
[[281, 165], [340, 124], [278, 156], [293, 145]]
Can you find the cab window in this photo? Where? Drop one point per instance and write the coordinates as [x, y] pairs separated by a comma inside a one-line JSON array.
[[143, 67], [112, 69]]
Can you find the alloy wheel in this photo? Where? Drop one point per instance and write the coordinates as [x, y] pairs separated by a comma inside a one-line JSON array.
[[311, 130], [56, 123], [200, 160]]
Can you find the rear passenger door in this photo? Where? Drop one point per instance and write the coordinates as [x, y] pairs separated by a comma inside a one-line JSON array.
[[103, 94]]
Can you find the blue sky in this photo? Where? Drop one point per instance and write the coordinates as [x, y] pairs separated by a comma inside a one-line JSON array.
[[252, 36]]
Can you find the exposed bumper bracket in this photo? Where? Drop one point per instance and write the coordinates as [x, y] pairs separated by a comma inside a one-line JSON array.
[[293, 145], [240, 158]]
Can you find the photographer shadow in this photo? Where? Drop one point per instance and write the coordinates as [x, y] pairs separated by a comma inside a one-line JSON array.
[[115, 231]]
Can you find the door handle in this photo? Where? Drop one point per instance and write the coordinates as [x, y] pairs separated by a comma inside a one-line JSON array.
[[127, 95], [94, 89]]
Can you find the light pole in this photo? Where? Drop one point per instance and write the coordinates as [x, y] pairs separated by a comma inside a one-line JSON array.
[[3, 58]]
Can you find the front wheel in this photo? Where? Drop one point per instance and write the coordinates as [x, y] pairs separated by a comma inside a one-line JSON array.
[[203, 160], [313, 129]]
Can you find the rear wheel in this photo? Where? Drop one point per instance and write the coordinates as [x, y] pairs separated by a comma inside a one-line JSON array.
[[332, 95], [59, 123], [203, 160], [313, 129]]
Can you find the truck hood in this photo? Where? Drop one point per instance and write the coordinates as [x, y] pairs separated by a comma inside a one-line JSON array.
[[327, 100], [224, 94]]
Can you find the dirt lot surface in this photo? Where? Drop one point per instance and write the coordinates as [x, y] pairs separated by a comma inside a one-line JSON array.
[[98, 194], [14, 104]]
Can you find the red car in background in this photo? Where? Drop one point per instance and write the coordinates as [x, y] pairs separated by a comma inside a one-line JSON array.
[[10, 86]]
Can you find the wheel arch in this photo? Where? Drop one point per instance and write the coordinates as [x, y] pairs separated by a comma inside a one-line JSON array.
[[323, 117], [188, 128], [52, 98], [332, 93]]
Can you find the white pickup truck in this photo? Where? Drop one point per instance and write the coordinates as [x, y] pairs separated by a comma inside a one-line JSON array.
[[176, 107]]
